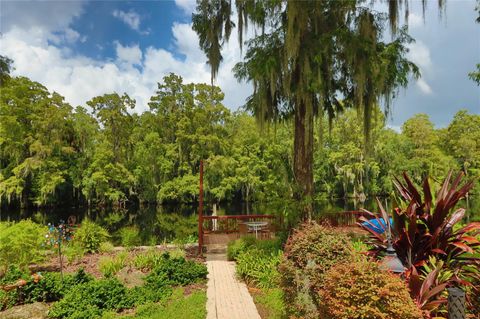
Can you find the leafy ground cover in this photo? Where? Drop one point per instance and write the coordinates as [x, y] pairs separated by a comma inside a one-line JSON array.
[[109, 290]]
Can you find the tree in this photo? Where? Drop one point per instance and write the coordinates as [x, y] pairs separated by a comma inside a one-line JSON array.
[[5, 68], [309, 57], [36, 136], [425, 157]]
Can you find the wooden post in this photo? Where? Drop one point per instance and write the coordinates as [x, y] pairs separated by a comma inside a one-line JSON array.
[[200, 212]]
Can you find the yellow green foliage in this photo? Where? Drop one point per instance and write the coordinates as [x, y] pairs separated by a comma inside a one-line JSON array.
[[360, 290]]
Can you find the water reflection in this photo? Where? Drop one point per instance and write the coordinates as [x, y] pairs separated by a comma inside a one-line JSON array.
[[166, 223]]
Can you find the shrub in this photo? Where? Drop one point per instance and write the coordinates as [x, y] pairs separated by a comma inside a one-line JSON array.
[[360, 290], [21, 243], [90, 235], [130, 236], [47, 287], [176, 253], [91, 299], [106, 247], [259, 268], [148, 260], [234, 248], [110, 266], [309, 252], [177, 271]]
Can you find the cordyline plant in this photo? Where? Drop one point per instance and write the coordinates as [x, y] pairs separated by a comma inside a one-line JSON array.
[[425, 227]]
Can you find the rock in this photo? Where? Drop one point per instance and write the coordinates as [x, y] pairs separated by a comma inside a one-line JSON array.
[[37, 310]]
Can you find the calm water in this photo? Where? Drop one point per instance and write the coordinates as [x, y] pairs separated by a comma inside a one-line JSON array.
[[166, 223]]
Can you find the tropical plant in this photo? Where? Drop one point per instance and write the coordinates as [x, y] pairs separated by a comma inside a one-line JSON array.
[[425, 227]]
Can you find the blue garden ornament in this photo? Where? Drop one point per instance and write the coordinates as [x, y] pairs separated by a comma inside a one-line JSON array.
[[56, 236], [377, 225]]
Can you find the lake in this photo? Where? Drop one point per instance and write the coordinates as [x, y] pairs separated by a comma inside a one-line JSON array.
[[179, 222]]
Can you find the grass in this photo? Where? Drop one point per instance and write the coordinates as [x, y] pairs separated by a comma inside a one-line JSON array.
[[270, 303]]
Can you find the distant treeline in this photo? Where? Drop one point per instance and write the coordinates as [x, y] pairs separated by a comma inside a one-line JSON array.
[[104, 154]]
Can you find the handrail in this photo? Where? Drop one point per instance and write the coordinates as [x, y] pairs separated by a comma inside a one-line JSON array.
[[239, 217]]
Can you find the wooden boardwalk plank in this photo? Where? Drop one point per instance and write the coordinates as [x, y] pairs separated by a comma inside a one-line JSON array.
[[227, 297]]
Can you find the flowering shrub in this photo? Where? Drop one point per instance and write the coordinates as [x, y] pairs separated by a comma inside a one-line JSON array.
[[360, 290], [310, 252]]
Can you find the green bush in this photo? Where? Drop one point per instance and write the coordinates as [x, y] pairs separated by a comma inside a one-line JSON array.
[[177, 306], [234, 248], [91, 299], [21, 243], [310, 252], [106, 247], [259, 268], [91, 235], [177, 272], [130, 236], [361, 290], [110, 266], [47, 287], [147, 260]]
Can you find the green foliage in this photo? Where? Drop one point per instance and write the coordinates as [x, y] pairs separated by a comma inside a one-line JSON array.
[[234, 248], [21, 243], [91, 235], [106, 247], [271, 302], [51, 154], [90, 299], [47, 287], [130, 236], [366, 292], [309, 253], [190, 306], [148, 260], [74, 251], [177, 272], [257, 267], [110, 266]]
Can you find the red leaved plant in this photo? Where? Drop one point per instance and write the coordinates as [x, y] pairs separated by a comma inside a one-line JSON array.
[[424, 227]]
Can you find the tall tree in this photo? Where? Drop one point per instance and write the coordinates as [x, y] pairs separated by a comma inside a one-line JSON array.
[[307, 58]]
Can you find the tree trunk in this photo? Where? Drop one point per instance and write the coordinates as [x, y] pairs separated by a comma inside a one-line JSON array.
[[303, 157]]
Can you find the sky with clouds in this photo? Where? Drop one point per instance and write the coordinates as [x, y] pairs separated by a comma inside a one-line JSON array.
[[82, 49]]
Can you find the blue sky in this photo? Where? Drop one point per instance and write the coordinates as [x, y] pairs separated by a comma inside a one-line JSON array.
[[86, 48]]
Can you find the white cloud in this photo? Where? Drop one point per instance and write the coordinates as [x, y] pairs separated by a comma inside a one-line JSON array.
[[80, 78], [130, 55], [131, 18], [188, 6], [39, 14], [419, 54]]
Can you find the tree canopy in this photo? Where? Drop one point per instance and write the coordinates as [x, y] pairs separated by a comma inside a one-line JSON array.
[[103, 154], [310, 58]]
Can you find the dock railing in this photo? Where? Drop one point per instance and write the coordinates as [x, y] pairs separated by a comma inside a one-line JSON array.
[[229, 223]]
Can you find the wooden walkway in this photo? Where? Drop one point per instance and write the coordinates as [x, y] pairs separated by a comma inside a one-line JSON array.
[[228, 298]]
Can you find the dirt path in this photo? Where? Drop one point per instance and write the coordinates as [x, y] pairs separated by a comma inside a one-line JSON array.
[[227, 297]]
